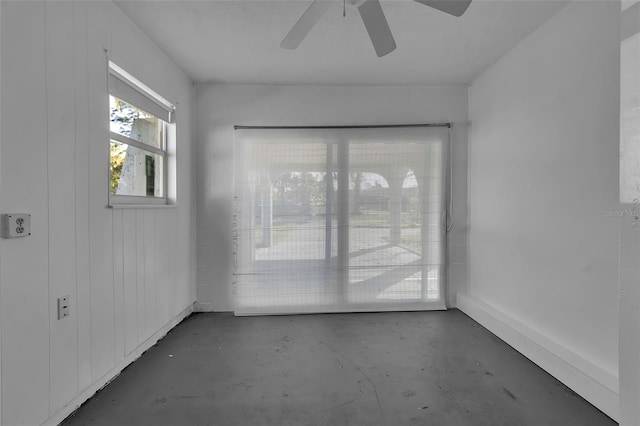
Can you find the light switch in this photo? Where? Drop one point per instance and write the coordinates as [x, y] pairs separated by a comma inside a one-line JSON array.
[[63, 307]]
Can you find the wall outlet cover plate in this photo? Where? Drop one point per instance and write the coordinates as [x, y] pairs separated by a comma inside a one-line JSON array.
[[14, 225]]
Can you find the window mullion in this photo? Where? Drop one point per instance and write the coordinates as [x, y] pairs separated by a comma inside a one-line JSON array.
[[140, 145]]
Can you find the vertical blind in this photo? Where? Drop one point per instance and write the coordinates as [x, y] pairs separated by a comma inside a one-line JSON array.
[[340, 219]]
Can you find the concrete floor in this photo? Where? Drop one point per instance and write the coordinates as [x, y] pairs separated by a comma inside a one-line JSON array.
[[411, 368]]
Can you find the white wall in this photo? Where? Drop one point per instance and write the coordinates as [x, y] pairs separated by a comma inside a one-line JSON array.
[[629, 335], [129, 273], [543, 170], [220, 107]]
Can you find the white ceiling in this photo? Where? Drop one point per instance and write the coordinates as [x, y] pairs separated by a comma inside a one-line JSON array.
[[238, 41]]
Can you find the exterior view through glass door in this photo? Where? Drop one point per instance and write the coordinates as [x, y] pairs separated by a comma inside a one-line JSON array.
[[340, 219]]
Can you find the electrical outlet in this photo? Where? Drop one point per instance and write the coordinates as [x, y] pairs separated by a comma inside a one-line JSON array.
[[63, 307], [14, 225]]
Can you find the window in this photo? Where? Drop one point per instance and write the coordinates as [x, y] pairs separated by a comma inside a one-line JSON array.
[[140, 124], [340, 219]]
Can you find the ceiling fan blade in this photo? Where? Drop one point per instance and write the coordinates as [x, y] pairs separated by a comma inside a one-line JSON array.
[[452, 7], [305, 24], [377, 27]]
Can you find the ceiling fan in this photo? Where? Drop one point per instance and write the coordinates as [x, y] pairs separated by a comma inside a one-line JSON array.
[[373, 18]]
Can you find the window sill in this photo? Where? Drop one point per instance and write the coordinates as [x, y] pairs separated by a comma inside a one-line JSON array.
[[138, 202], [143, 206]]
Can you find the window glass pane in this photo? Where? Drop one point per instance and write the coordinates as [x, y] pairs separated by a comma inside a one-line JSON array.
[[135, 171], [134, 123]]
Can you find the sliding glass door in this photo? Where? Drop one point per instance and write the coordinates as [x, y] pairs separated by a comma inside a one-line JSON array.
[[340, 219]]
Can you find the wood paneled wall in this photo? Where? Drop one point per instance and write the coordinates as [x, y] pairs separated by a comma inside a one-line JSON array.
[[129, 272]]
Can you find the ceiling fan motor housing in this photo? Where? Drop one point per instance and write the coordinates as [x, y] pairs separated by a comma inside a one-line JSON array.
[[355, 3]]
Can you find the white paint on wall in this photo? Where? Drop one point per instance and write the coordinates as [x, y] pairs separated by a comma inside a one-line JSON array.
[[129, 273], [629, 335], [220, 107], [1, 7], [26, 346], [543, 172]]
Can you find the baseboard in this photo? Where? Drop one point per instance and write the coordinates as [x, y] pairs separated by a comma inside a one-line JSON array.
[[68, 409], [590, 381]]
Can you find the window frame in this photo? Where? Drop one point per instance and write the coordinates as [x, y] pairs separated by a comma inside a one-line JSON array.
[[143, 98]]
